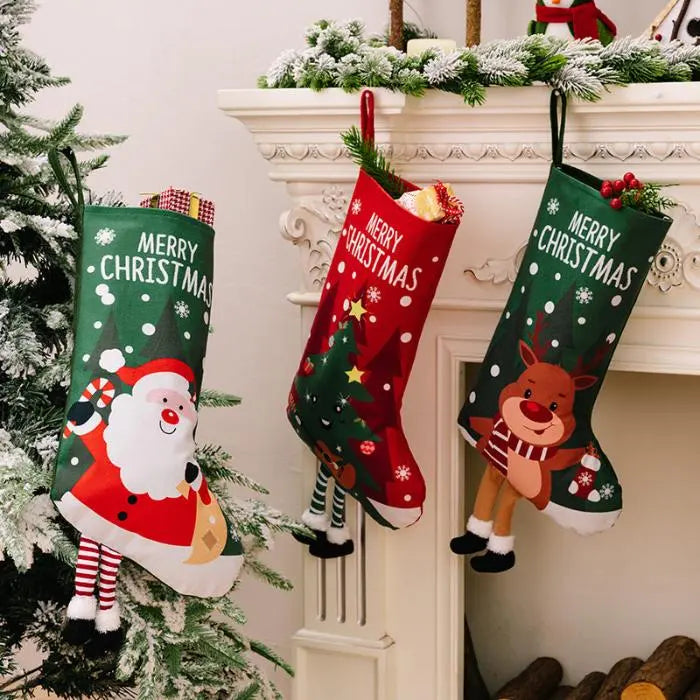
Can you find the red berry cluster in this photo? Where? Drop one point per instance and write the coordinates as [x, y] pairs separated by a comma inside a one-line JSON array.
[[611, 190]]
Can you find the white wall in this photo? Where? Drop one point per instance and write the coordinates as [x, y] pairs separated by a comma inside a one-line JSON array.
[[151, 70]]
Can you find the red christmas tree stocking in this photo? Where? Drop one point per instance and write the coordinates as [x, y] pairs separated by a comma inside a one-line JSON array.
[[345, 402]]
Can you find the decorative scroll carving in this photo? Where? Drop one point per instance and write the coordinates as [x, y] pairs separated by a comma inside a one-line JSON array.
[[313, 225], [678, 261], [499, 270], [445, 153]]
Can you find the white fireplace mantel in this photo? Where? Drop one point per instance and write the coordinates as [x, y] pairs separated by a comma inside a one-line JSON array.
[[386, 624]]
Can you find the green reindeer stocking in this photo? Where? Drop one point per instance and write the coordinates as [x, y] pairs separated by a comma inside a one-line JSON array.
[[529, 412]]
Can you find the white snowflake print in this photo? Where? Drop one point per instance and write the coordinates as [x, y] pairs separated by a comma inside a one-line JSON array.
[[403, 473], [585, 479], [553, 206], [584, 295], [181, 309], [607, 491], [373, 295], [105, 236], [356, 206]]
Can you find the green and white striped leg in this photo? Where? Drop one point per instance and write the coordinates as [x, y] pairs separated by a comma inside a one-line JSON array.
[[336, 542], [314, 517], [338, 532]]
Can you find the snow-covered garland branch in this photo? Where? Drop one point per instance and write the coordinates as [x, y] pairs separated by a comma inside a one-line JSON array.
[[340, 55]]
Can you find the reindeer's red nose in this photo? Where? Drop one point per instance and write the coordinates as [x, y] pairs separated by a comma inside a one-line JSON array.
[[535, 412], [169, 416]]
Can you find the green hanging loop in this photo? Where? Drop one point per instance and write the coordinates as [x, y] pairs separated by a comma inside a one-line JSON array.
[[558, 127], [78, 202]]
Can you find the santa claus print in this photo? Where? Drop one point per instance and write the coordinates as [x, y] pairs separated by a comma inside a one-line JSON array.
[[144, 494]]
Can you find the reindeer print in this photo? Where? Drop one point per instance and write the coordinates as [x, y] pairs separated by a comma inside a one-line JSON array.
[[522, 445]]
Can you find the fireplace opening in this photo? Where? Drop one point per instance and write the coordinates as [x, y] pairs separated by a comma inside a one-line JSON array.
[[591, 601]]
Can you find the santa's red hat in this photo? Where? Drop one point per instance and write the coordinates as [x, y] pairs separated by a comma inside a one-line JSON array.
[[164, 373]]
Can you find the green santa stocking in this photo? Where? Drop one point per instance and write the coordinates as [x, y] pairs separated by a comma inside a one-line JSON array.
[[126, 476], [529, 412]]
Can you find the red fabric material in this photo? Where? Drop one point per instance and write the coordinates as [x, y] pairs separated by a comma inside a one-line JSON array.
[[584, 17], [585, 481], [130, 375], [170, 520], [391, 261], [367, 116]]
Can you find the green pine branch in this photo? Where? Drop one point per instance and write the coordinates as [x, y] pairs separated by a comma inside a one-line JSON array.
[[373, 162], [340, 55], [218, 399]]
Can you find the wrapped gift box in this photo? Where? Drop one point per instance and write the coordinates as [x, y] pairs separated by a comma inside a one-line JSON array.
[[183, 202]]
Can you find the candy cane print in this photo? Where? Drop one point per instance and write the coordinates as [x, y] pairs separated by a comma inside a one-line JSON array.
[[105, 390]]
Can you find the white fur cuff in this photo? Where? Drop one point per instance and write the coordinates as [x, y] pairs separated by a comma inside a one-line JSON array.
[[108, 620], [482, 528], [82, 607], [315, 521], [338, 535], [501, 544]]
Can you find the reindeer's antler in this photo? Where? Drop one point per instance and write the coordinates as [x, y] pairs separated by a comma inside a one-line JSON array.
[[538, 347], [583, 368]]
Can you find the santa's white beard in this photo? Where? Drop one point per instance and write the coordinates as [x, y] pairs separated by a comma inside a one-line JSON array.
[[149, 460]]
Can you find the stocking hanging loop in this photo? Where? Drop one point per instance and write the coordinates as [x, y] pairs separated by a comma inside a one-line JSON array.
[[367, 116], [558, 127], [76, 199]]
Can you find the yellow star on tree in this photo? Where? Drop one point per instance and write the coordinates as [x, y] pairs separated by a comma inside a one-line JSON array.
[[355, 375], [356, 309]]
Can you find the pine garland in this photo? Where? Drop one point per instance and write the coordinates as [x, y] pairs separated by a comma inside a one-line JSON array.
[[339, 55], [373, 162]]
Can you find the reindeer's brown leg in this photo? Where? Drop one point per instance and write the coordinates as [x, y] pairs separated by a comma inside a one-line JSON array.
[[502, 526], [499, 554], [479, 525], [486, 496]]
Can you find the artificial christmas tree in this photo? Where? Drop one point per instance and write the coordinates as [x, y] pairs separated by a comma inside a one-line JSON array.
[[175, 646]]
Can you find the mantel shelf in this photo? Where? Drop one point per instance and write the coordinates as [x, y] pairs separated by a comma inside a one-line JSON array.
[[499, 151]]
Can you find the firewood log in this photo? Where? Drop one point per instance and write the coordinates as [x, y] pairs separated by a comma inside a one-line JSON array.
[[588, 687], [667, 673], [617, 679], [539, 680], [693, 693], [561, 693]]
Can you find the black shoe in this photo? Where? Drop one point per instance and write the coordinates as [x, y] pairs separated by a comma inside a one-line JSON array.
[[101, 643], [77, 632], [323, 549], [468, 543], [307, 540], [493, 563]]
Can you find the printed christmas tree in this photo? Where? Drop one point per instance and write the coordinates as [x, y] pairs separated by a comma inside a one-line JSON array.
[[326, 389]]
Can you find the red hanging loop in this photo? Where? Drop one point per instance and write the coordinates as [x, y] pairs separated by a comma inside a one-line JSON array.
[[367, 116]]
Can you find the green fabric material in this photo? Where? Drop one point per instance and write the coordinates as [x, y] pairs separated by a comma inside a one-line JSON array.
[[584, 266], [583, 269], [127, 474], [163, 255]]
